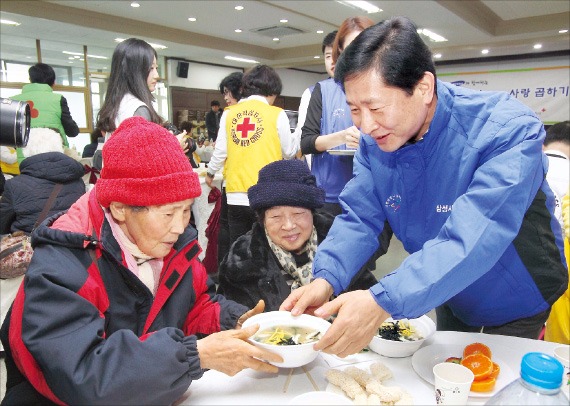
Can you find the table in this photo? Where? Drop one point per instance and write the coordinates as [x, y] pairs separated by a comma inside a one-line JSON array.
[[201, 209], [255, 388]]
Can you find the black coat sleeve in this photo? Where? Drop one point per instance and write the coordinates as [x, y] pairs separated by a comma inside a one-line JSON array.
[[69, 125], [312, 127]]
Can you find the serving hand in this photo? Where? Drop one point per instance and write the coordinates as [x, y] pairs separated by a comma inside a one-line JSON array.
[[216, 349], [307, 298], [358, 318]]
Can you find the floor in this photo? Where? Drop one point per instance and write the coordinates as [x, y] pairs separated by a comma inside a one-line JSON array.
[[384, 265]]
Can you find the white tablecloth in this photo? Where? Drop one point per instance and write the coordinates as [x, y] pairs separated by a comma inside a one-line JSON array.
[[201, 209], [254, 388]]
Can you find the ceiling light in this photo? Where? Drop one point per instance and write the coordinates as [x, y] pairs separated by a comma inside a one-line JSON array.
[[237, 30], [361, 5], [316, 57], [69, 61], [192, 19], [320, 31], [537, 46], [80, 54], [484, 51], [155, 46], [283, 20], [275, 39], [235, 58], [76, 57], [437, 56], [9, 22], [239, 8], [71, 58], [135, 4], [431, 35], [562, 31]]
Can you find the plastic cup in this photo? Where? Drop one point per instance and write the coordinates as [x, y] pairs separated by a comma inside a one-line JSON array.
[[452, 383]]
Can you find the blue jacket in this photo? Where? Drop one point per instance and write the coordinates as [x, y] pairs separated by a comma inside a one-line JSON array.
[[332, 171], [470, 204]]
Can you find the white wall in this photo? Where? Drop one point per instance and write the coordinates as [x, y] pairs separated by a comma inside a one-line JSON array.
[[201, 76]]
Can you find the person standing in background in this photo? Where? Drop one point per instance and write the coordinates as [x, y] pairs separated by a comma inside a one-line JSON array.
[[252, 134], [328, 125], [47, 109], [557, 149], [327, 50], [230, 88], [133, 78], [213, 120]]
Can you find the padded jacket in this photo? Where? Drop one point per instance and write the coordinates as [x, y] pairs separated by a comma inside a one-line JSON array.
[[82, 332], [25, 195]]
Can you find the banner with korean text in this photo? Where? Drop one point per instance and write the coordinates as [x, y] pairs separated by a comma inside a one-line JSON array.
[[543, 89]]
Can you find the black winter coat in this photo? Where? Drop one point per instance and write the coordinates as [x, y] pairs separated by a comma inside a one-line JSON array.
[[251, 270], [25, 195]]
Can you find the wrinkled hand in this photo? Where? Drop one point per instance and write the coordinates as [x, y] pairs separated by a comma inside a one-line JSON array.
[[357, 321], [217, 349], [352, 137], [259, 308], [307, 298]]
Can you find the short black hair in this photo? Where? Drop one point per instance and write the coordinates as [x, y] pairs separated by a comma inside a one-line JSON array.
[[328, 40], [559, 132], [392, 48], [42, 73], [261, 80], [215, 103], [232, 82]]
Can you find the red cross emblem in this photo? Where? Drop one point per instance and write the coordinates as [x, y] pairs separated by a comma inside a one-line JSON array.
[[245, 127]]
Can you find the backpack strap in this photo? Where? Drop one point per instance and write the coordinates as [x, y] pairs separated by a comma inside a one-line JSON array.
[[49, 203]]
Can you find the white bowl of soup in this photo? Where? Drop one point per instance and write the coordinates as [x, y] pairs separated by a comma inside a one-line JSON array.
[[401, 338], [292, 337]]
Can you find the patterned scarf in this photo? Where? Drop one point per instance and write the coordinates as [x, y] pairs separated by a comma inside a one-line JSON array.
[[301, 275]]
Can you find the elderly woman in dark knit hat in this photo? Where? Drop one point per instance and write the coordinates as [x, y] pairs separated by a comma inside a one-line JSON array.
[[116, 308], [276, 255]]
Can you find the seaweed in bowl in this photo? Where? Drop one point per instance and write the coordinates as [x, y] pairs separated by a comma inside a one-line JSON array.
[[399, 330]]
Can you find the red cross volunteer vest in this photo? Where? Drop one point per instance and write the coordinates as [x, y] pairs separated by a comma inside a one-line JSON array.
[[253, 142]]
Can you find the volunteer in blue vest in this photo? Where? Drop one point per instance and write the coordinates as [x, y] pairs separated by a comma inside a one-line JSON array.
[[252, 134], [459, 175]]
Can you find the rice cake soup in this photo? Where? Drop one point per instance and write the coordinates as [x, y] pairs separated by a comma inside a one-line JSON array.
[[287, 335]]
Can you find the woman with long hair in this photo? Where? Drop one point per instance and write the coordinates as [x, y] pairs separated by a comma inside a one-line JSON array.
[[133, 78]]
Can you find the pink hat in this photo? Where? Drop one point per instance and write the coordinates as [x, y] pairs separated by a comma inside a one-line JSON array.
[[144, 165]]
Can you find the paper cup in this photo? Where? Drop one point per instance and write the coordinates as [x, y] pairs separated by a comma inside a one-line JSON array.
[[452, 383]]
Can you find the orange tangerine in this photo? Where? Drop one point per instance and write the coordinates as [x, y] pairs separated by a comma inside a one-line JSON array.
[[483, 385], [477, 348], [496, 370], [480, 364]]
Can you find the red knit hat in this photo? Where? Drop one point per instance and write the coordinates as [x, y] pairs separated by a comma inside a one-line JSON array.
[[143, 165]]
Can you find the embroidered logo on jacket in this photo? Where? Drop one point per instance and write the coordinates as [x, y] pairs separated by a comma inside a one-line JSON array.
[[246, 128], [394, 202], [443, 208]]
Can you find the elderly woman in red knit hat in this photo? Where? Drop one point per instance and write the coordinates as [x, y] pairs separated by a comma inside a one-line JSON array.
[[276, 255], [116, 307]]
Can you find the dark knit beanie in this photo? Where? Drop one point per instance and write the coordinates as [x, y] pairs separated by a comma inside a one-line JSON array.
[[286, 183], [144, 165]]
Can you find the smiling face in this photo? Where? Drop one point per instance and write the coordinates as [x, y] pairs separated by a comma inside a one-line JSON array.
[[389, 114], [289, 227], [154, 229], [329, 64], [153, 76]]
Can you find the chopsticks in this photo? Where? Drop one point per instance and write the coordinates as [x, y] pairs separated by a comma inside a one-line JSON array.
[[286, 386], [289, 376], [315, 386]]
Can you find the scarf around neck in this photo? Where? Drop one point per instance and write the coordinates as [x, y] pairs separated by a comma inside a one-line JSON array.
[[301, 274]]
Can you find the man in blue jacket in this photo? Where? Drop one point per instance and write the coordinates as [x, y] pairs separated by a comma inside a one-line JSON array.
[[460, 177]]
